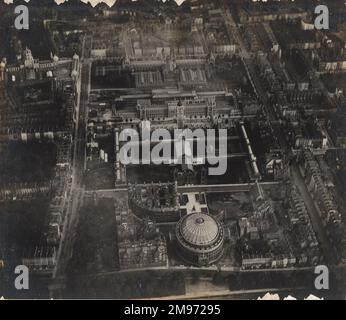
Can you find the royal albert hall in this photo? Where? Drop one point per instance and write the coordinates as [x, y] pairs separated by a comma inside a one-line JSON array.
[[200, 239]]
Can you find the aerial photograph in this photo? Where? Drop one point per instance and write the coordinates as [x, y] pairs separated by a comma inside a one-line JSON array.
[[173, 150]]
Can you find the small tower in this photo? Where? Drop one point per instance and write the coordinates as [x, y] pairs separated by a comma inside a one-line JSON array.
[[2, 70], [180, 115], [142, 111], [29, 61], [55, 59], [75, 66], [75, 61], [171, 63], [211, 105], [75, 57]]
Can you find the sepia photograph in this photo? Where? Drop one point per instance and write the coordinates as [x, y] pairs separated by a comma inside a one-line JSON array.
[[172, 150]]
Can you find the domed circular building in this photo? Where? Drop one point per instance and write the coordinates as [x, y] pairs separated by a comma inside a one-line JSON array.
[[200, 239]]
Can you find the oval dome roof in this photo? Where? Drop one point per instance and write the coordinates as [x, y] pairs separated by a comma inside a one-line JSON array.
[[199, 229]]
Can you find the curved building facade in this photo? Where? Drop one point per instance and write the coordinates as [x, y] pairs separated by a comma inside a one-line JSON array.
[[200, 239], [157, 201]]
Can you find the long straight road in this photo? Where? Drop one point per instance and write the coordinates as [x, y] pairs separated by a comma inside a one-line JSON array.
[[66, 246], [78, 165]]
